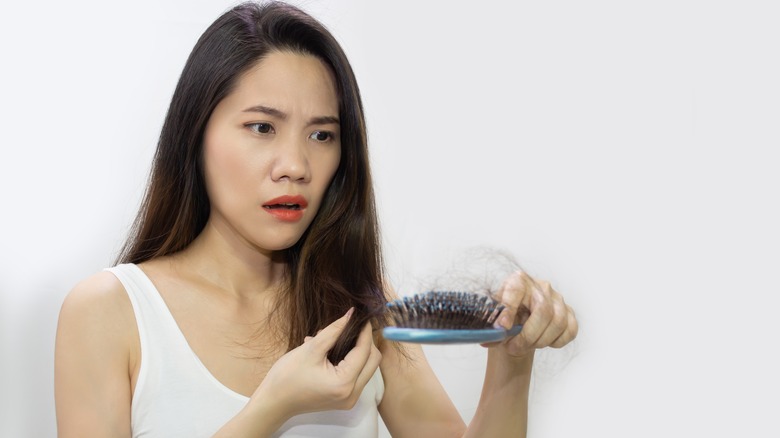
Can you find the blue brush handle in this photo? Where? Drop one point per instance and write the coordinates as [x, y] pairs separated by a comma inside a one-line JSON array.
[[452, 336]]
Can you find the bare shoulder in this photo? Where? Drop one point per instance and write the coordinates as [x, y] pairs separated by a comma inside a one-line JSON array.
[[102, 285], [97, 315], [97, 312], [95, 354], [98, 300]]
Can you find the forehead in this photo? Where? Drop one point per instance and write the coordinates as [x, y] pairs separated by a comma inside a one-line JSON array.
[[289, 81]]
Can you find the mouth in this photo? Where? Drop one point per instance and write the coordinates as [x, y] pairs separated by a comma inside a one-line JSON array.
[[287, 208], [283, 206], [291, 202]]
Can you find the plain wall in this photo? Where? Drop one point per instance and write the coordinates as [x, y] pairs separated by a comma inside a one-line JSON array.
[[624, 151]]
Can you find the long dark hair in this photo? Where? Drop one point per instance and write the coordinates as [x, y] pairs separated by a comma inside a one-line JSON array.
[[337, 263]]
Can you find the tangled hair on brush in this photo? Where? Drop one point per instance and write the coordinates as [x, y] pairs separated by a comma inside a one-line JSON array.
[[479, 269], [337, 262]]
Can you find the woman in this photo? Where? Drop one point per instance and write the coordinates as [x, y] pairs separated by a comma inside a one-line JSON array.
[[247, 297]]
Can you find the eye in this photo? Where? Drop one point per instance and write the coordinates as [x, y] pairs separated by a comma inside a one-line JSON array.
[[260, 128], [321, 136]]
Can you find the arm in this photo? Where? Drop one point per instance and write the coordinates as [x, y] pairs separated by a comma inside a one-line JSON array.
[[547, 322], [93, 360], [415, 404], [503, 405]]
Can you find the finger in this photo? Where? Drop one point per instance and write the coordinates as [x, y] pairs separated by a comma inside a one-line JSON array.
[[514, 294], [368, 370], [508, 296], [512, 313], [541, 316], [326, 338], [572, 328], [357, 357], [558, 322]]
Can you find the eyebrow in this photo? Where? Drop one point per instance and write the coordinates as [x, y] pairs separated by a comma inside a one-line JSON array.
[[273, 112]]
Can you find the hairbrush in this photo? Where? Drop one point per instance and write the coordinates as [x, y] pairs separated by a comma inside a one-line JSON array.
[[446, 318]]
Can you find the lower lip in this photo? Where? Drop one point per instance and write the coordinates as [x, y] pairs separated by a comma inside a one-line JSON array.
[[285, 214]]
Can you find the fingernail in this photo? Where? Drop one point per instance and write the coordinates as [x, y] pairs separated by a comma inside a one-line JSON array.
[[505, 322], [350, 312]]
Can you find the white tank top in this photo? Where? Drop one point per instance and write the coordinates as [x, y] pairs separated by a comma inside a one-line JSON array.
[[177, 396]]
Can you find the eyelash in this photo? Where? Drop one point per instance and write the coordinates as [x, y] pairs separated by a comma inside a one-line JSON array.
[[330, 135], [254, 127]]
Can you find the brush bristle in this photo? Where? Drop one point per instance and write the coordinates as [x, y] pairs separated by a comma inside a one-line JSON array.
[[445, 310]]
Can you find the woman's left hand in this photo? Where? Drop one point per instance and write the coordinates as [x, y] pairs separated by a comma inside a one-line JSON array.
[[547, 320]]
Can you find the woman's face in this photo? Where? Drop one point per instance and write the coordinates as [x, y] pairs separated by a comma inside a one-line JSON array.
[[271, 148]]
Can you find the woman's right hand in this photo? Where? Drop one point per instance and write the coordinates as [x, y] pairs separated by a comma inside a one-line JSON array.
[[304, 380]]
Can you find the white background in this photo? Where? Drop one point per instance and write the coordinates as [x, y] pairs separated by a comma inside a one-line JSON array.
[[625, 151]]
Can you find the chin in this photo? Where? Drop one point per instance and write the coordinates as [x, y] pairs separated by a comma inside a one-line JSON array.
[[277, 244], [275, 238]]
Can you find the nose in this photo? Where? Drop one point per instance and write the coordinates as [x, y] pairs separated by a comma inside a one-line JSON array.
[[291, 161]]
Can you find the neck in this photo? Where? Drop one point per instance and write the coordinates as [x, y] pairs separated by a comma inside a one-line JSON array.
[[232, 264]]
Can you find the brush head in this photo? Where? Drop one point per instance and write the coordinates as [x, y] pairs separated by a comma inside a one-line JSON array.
[[445, 310], [446, 318]]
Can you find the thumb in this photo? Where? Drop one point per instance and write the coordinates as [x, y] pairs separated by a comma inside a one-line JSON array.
[[326, 338], [515, 295]]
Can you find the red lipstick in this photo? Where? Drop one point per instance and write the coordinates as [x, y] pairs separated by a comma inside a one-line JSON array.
[[287, 208]]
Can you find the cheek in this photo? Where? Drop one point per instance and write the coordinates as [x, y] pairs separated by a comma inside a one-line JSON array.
[[328, 170], [334, 165], [227, 172], [324, 171], [334, 162]]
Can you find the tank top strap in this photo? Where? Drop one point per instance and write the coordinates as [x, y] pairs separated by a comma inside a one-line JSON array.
[[151, 313]]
